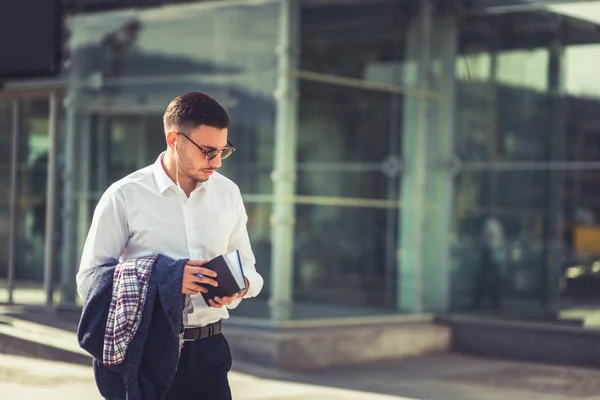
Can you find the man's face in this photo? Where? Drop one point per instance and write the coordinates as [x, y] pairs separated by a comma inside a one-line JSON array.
[[192, 161]]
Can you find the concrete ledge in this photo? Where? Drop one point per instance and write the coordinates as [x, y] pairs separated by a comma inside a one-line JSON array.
[[317, 345], [28, 339], [528, 341]]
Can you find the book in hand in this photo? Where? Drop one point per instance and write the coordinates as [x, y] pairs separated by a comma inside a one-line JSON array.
[[230, 276]]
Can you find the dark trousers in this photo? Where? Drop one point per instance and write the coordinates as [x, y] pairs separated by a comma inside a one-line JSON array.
[[202, 371], [488, 282]]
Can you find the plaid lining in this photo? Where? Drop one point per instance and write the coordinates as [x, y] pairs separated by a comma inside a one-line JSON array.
[[130, 287]]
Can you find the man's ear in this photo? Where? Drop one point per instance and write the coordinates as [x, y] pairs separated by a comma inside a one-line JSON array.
[[172, 139]]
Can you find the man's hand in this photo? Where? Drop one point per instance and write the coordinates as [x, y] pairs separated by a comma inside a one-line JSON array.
[[190, 280], [219, 302]]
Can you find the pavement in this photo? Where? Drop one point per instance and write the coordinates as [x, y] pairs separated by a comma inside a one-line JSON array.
[[28, 378], [448, 377], [453, 377], [30, 370]]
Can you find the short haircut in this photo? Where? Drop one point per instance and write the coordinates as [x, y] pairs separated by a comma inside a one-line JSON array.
[[192, 109]]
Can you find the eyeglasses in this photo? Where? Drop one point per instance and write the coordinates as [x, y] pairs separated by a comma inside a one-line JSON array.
[[211, 154]]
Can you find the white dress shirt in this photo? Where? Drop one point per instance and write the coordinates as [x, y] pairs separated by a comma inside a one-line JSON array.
[[146, 213]]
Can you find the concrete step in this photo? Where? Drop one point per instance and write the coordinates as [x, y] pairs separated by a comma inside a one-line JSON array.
[[324, 344], [29, 339]]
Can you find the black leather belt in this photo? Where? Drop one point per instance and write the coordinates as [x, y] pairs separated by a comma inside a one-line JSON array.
[[203, 332]]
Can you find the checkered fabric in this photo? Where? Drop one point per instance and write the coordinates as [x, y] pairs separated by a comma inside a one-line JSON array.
[[130, 286]]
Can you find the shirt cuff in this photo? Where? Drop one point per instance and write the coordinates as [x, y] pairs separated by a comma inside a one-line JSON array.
[[255, 284]]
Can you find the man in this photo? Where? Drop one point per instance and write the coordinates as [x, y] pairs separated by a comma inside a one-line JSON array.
[[488, 281], [182, 208]]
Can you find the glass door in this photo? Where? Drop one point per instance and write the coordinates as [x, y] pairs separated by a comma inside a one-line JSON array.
[[25, 152], [32, 170]]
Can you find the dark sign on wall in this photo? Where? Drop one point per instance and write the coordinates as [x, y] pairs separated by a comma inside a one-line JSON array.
[[30, 38]]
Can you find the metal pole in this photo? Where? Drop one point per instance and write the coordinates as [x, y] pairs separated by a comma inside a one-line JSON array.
[[102, 151], [85, 187], [14, 200], [420, 170], [284, 175], [556, 180], [441, 190], [412, 238], [69, 207], [51, 197]]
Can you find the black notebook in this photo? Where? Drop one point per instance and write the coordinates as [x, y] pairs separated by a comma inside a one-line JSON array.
[[230, 276]]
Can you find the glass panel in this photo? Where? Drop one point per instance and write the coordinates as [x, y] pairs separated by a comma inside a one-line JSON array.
[[174, 40], [343, 124], [353, 45], [5, 158], [345, 260], [509, 78], [33, 168], [580, 78], [119, 142], [538, 234], [343, 134], [501, 231], [526, 208], [348, 185]]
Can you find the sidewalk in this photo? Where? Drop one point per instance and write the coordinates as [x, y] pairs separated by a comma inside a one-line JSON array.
[[441, 377], [436, 378], [455, 377], [27, 378]]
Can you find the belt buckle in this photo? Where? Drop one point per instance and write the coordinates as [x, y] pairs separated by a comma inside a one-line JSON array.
[[182, 337], [211, 330]]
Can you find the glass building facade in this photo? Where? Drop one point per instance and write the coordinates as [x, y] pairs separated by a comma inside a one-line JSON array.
[[395, 156]]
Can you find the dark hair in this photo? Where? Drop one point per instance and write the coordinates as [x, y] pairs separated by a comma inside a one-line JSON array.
[[192, 109]]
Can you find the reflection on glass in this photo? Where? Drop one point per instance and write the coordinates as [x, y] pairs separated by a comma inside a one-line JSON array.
[[345, 256], [343, 124], [523, 68], [142, 59], [259, 230], [581, 78], [353, 46], [349, 142], [473, 67], [526, 209], [367, 185], [33, 167], [502, 233], [539, 232], [184, 39]]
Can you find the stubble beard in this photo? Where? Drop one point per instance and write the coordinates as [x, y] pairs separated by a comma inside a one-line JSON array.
[[186, 169], [195, 177]]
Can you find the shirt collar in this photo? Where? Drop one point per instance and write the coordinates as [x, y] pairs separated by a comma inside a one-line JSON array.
[[163, 182]]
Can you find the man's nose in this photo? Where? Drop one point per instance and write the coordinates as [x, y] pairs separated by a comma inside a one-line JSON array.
[[215, 162]]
